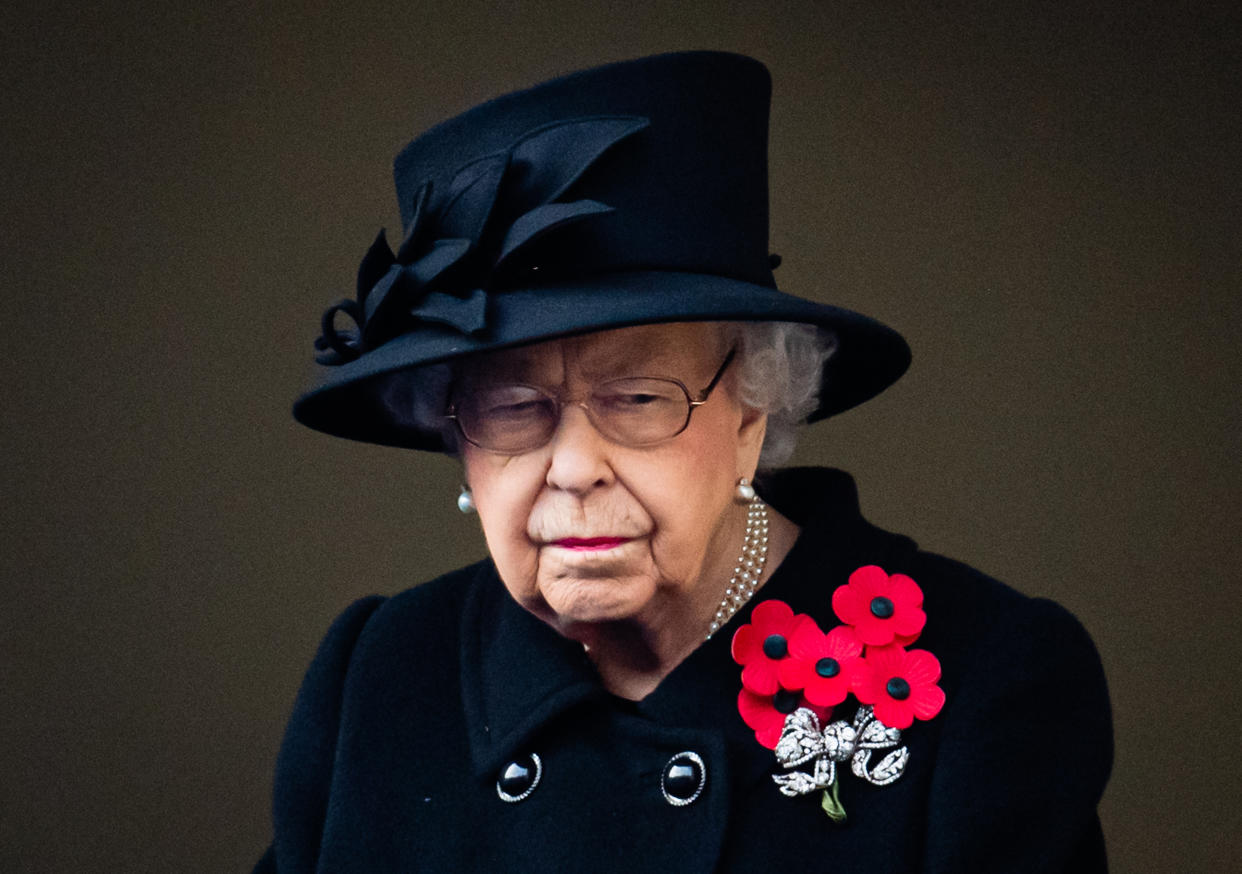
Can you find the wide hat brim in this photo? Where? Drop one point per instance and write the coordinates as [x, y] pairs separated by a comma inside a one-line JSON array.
[[346, 400]]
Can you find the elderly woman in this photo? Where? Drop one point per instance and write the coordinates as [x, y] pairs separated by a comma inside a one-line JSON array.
[[676, 657]]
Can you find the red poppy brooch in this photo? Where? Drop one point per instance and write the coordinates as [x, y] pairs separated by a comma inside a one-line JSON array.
[[794, 674]]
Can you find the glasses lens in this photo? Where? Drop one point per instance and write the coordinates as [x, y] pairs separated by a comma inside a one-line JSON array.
[[507, 418], [640, 410]]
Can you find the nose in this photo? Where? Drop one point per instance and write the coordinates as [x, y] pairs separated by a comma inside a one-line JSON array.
[[579, 454]]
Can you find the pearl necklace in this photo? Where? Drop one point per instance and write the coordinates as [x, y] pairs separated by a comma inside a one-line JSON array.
[[745, 580]]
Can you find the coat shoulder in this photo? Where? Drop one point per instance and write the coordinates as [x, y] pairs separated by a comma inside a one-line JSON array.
[[434, 606], [1026, 732], [423, 615], [982, 609]]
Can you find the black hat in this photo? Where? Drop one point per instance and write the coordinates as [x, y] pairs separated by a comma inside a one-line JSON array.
[[627, 194]]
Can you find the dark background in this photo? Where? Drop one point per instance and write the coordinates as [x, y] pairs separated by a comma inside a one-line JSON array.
[[1041, 196]]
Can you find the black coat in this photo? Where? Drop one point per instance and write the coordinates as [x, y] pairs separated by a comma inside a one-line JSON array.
[[415, 704]]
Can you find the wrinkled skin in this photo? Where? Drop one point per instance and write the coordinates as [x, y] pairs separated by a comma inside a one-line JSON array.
[[641, 606]]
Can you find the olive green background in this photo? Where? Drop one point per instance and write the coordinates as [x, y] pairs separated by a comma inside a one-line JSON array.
[[1041, 196]]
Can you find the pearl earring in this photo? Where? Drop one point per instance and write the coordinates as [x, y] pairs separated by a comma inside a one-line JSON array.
[[744, 492], [465, 501]]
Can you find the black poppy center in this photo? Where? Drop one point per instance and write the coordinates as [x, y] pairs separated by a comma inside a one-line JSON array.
[[785, 701], [827, 667], [774, 646], [897, 688], [881, 607]]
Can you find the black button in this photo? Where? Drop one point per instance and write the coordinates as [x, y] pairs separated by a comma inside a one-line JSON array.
[[774, 646], [683, 779], [897, 688], [519, 778], [881, 607]]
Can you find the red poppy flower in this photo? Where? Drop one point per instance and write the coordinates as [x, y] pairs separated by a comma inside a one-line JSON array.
[[822, 665], [900, 685], [766, 713], [882, 609], [761, 644]]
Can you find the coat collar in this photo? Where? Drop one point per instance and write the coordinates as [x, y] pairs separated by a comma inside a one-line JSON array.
[[519, 675]]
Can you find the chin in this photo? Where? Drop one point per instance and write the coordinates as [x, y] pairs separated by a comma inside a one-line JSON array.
[[595, 600]]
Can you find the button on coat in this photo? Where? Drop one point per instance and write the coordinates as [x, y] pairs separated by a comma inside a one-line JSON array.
[[415, 707]]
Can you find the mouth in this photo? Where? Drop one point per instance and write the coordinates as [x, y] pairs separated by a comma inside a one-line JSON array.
[[589, 544]]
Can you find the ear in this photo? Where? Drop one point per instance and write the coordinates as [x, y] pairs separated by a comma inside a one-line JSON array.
[[750, 433]]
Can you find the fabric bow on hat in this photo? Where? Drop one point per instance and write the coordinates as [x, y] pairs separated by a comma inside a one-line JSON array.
[[465, 235]]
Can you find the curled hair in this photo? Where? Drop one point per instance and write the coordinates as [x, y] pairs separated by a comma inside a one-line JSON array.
[[778, 370]]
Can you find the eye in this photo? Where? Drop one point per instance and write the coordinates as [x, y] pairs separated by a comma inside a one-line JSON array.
[[511, 402], [634, 399], [638, 395], [525, 408]]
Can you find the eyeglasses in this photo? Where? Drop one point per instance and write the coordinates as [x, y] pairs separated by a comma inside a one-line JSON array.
[[633, 411]]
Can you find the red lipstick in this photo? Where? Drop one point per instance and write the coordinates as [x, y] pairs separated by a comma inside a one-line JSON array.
[[589, 543]]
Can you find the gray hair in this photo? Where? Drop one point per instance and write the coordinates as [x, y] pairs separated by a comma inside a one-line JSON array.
[[778, 371]]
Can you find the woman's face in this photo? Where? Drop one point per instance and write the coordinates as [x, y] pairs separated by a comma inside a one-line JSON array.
[[584, 530]]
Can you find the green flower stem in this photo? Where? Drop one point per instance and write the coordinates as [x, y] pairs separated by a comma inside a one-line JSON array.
[[832, 803]]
